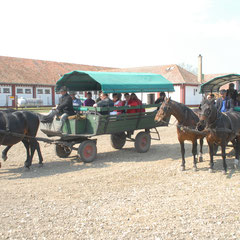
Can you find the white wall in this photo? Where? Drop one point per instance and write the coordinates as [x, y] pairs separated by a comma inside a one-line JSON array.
[[44, 93], [192, 95], [175, 95], [5, 93]]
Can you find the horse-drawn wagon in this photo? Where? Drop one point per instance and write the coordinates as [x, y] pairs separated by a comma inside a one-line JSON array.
[[88, 122], [222, 127]]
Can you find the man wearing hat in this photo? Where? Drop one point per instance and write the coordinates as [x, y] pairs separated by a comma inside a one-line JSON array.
[[65, 106], [224, 103]]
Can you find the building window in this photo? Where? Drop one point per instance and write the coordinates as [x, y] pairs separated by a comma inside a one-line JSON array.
[[47, 91], [19, 90], [40, 91], [6, 90], [28, 91]]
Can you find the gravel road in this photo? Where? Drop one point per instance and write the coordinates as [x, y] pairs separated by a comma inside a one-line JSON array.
[[121, 195]]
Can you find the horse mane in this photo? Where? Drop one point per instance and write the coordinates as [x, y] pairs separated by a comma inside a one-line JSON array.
[[187, 111]]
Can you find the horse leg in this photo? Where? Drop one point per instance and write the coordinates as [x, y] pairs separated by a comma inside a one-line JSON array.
[[194, 153], [26, 144], [236, 148], [211, 151], [200, 159], [223, 147], [4, 153], [183, 155], [39, 154]]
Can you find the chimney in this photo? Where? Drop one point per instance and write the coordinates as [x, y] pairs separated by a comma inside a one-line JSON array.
[[200, 80]]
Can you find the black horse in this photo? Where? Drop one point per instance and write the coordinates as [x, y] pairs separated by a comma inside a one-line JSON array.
[[221, 128], [187, 122], [25, 123]]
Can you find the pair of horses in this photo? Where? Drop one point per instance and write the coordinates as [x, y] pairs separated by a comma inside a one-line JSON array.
[[218, 128], [16, 126]]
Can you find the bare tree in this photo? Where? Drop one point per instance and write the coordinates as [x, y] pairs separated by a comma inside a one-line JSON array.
[[189, 67]]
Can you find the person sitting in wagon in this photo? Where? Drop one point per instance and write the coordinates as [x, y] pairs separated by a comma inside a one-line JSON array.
[[105, 102], [224, 103], [160, 99], [76, 101], [65, 107], [117, 103], [134, 101], [89, 101]]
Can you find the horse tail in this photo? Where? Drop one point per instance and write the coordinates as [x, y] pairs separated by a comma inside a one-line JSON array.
[[47, 118]]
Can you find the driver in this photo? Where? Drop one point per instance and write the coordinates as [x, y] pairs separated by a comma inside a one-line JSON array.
[[65, 107]]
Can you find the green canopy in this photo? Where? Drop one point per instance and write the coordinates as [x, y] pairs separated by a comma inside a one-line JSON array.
[[110, 82], [214, 84]]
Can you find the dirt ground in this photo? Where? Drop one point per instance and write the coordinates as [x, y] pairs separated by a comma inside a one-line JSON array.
[[121, 195]]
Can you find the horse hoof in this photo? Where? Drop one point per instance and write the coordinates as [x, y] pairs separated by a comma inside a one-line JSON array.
[[224, 172], [194, 169], [200, 159], [182, 168], [40, 165], [236, 163], [4, 158], [210, 170]]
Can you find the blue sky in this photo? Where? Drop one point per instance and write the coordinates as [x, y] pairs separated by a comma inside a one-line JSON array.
[[124, 33]]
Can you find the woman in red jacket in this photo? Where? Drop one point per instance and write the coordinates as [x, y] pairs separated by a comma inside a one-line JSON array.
[[134, 101]]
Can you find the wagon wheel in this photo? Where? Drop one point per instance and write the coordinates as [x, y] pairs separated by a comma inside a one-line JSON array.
[[62, 151], [87, 151], [142, 142], [118, 140]]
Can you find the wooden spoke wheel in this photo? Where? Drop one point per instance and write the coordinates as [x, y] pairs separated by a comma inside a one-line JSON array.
[[62, 151], [87, 151], [118, 140], [142, 142]]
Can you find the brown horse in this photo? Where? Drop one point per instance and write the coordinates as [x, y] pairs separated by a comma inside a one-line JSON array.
[[221, 128], [187, 120]]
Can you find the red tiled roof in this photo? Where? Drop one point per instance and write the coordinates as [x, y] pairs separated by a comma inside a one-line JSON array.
[[29, 71], [173, 72]]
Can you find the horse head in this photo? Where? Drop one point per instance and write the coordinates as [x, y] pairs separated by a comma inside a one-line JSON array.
[[164, 110], [207, 114]]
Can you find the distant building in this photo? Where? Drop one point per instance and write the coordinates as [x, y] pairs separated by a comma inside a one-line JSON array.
[[28, 78]]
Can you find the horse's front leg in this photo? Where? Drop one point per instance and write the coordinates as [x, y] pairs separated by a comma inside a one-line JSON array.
[[4, 153], [183, 155], [211, 152], [223, 147], [201, 150], [236, 148], [194, 153]]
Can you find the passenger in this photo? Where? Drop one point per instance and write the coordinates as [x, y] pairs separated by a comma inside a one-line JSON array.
[[99, 97], [210, 96], [117, 103], [224, 103], [160, 99], [127, 98], [238, 100], [89, 101], [134, 101], [65, 107], [105, 102], [76, 101], [232, 93]]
